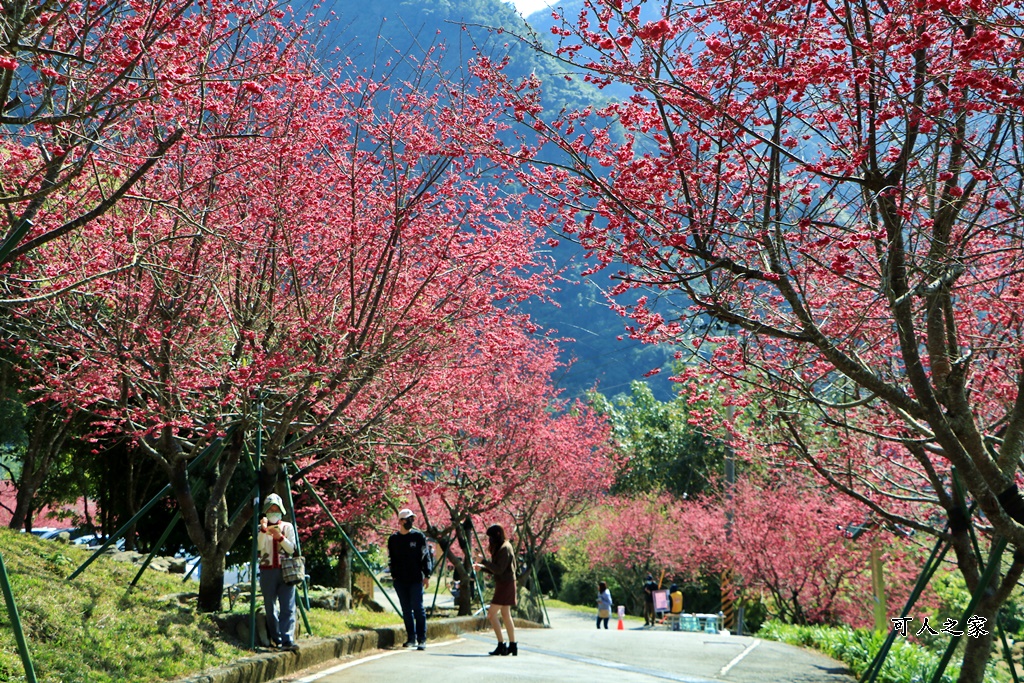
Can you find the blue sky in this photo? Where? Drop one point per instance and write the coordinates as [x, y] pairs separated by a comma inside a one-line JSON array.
[[528, 7]]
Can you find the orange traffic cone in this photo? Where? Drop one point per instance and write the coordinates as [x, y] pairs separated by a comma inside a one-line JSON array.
[[620, 626]]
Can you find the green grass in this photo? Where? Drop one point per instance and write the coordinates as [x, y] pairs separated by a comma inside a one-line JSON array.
[[93, 630], [551, 602]]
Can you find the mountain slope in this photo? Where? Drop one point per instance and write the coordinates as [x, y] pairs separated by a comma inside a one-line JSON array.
[[388, 38]]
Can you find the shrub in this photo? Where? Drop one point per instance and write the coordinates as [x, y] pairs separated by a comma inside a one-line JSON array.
[[906, 663]]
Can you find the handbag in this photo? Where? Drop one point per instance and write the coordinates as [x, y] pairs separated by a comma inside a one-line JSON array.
[[604, 613], [293, 569]]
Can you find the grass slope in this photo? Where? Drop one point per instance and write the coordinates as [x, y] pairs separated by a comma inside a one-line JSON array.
[[94, 630]]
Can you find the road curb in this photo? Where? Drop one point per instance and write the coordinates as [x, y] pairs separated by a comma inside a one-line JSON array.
[[262, 668]]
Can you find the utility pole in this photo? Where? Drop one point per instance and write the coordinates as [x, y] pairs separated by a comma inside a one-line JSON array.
[[878, 586], [727, 583]]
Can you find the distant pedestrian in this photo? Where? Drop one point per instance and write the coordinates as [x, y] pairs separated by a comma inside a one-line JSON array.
[[604, 604], [649, 587], [275, 539], [675, 597], [411, 564], [503, 566]]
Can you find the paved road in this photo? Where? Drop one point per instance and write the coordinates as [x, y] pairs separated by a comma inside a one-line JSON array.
[[573, 650]]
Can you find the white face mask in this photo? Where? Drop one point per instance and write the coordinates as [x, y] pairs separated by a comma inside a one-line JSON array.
[[273, 517]]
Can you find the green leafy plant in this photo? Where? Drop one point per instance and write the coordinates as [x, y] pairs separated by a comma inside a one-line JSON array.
[[906, 662], [58, 562]]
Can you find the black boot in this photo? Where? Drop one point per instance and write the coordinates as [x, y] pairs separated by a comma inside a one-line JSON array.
[[513, 649], [500, 650]]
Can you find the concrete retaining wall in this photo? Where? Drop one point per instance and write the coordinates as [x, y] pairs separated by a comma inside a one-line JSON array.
[[262, 668]]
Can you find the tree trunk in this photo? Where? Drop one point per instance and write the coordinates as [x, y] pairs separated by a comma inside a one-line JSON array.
[[35, 465], [977, 650], [466, 597], [467, 589], [345, 567], [22, 517], [211, 581], [48, 432], [211, 531]]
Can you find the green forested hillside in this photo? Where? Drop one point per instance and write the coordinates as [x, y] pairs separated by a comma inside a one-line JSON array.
[[379, 35], [388, 37]]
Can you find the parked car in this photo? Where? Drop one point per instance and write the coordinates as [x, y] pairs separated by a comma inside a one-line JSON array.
[[53, 533], [41, 530], [91, 540]]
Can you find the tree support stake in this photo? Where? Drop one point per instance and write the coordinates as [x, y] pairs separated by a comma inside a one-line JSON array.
[[996, 555], [359, 555], [930, 565], [19, 635], [217, 445]]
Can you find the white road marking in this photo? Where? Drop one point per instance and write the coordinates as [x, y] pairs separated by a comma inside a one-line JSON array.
[[363, 660], [737, 658]]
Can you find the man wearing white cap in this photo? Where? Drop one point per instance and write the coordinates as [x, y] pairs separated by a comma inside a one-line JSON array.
[[411, 564]]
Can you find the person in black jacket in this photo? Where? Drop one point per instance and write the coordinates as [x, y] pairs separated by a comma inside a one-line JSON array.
[[650, 618], [411, 565]]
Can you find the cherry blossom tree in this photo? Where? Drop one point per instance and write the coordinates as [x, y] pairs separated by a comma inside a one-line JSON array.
[[316, 257], [792, 542], [628, 537], [496, 452], [838, 184], [93, 96], [455, 447], [786, 543], [573, 468], [89, 103]]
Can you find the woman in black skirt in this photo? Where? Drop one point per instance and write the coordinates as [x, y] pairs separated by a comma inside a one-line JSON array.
[[503, 566]]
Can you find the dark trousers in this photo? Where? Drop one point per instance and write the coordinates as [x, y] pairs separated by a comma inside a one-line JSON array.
[[410, 597], [602, 619], [649, 613]]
